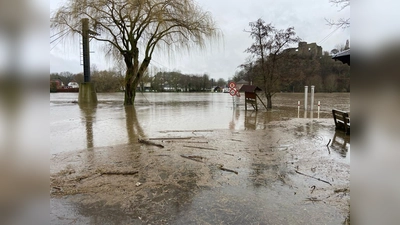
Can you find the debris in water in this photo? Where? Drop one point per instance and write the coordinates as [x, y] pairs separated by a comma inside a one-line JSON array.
[[228, 170], [150, 143], [119, 173], [189, 146], [313, 177], [193, 157], [170, 138]]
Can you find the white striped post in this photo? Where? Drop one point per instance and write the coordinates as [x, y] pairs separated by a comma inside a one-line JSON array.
[[319, 106], [298, 109], [312, 97]]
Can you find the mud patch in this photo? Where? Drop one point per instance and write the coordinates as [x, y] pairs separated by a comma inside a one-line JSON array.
[[185, 185]]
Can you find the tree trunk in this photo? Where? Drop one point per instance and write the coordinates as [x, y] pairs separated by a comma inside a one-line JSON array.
[[130, 88], [134, 73], [269, 101], [130, 94]]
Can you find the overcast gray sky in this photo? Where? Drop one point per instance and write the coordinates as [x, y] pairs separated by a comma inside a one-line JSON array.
[[232, 17]]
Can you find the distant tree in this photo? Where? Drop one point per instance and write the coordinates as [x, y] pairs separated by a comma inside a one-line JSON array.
[[249, 70], [133, 29], [334, 51], [293, 71], [330, 83], [145, 79], [176, 80], [268, 47], [239, 75], [206, 82], [65, 77], [68, 77], [347, 46], [79, 78], [53, 86], [196, 83], [105, 81], [157, 82], [221, 82], [187, 82]]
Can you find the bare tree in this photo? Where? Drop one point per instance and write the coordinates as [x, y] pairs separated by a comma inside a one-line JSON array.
[[342, 22], [132, 29], [221, 82], [249, 70], [268, 47]]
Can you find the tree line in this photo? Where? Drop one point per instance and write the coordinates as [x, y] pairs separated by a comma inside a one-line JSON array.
[[176, 81], [113, 81], [104, 80]]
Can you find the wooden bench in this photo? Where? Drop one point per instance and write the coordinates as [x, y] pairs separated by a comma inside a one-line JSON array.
[[342, 120]]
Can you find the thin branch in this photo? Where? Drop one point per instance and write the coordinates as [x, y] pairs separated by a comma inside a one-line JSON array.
[[228, 170], [313, 177]]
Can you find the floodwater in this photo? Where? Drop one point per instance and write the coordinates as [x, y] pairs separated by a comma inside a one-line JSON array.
[[74, 128], [266, 149]]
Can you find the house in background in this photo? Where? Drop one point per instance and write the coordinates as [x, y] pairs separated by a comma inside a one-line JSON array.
[[143, 86], [240, 83], [73, 84]]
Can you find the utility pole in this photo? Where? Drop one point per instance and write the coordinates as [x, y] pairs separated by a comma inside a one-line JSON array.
[[87, 92]]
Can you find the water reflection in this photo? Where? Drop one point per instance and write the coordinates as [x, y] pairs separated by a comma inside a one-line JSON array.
[[250, 120], [258, 120], [133, 128], [235, 118], [341, 143], [88, 116]]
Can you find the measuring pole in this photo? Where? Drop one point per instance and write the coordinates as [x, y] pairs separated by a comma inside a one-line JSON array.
[[87, 91], [85, 48]]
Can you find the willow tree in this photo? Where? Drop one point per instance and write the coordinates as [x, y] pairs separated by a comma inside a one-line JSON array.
[[133, 29]]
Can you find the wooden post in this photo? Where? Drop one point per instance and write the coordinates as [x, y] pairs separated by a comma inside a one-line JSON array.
[[261, 101]]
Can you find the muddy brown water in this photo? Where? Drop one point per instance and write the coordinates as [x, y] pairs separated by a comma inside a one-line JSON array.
[[101, 174]]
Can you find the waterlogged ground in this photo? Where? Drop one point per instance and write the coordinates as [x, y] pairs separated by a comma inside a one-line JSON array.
[[203, 162]]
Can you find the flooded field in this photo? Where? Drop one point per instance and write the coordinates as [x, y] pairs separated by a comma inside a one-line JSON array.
[[202, 161]]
